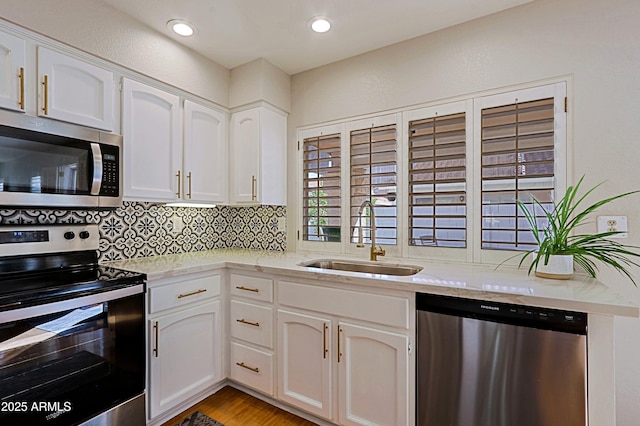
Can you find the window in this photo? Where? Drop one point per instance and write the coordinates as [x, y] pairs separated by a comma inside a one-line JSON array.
[[374, 178], [437, 181], [321, 188], [442, 179], [517, 164]]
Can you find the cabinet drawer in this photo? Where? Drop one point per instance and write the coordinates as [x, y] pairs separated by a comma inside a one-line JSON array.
[[252, 323], [252, 367], [376, 308], [257, 288], [183, 292]]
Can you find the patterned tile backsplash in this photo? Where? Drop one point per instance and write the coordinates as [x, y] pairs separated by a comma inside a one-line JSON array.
[[147, 229]]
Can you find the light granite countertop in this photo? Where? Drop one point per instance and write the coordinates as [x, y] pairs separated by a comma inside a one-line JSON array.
[[506, 284]]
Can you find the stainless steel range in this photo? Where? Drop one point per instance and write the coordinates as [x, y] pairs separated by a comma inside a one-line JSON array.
[[71, 332]]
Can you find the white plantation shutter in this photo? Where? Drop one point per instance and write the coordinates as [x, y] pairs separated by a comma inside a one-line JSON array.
[[518, 163], [374, 169], [437, 181], [321, 188]]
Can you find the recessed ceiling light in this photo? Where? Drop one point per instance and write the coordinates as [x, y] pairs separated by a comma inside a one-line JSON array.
[[320, 25], [181, 27]]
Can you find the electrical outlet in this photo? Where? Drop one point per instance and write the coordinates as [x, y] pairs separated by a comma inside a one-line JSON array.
[[613, 224], [282, 224], [176, 225]]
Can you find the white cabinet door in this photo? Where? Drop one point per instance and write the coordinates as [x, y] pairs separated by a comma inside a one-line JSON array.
[[152, 144], [305, 360], [245, 147], [373, 376], [258, 157], [272, 182], [205, 154], [12, 72], [185, 355], [75, 91]]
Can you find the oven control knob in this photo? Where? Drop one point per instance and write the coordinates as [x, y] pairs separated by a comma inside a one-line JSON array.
[[69, 235], [84, 235]]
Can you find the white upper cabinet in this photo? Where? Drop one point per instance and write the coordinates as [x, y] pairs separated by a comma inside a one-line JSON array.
[[152, 145], [258, 157], [205, 154], [75, 91], [12, 72]]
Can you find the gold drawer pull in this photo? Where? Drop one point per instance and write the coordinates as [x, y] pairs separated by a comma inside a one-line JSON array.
[[324, 341], [21, 88], [241, 287], [253, 188], [45, 95], [189, 179], [155, 348], [242, 364], [244, 321], [178, 175], [339, 336], [202, 290]]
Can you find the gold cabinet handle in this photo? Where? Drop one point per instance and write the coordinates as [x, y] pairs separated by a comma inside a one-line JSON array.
[[155, 343], [189, 179], [45, 95], [253, 188], [324, 341], [202, 290], [243, 365], [21, 88], [339, 336], [244, 321], [241, 287], [179, 183]]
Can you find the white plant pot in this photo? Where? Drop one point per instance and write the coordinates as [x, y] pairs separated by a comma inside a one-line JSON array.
[[559, 267]]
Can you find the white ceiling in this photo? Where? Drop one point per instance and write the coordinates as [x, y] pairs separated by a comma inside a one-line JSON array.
[[234, 32]]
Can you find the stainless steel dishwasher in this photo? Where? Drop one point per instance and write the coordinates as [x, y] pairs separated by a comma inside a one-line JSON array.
[[492, 364]]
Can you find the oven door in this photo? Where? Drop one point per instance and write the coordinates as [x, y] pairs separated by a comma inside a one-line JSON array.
[[68, 362]]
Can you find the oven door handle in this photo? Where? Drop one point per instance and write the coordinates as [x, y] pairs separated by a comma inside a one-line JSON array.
[[69, 304], [96, 183]]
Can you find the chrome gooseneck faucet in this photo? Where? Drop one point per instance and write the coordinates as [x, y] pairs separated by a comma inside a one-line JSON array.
[[375, 251]]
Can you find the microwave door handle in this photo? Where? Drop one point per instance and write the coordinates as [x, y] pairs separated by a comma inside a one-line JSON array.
[[97, 169]]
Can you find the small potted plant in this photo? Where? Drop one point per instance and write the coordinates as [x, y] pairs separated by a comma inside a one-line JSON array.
[[559, 246]]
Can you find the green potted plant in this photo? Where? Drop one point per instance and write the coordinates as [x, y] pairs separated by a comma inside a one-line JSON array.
[[558, 243]]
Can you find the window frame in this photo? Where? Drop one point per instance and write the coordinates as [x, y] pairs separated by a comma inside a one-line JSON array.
[[472, 104], [361, 124], [441, 253], [319, 246], [556, 90]]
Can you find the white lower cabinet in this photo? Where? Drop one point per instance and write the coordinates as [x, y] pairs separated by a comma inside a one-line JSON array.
[[372, 376], [185, 341], [251, 358], [338, 353], [326, 356], [252, 367], [305, 361]]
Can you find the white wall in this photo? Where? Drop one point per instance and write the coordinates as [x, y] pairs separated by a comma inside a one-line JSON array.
[[593, 42], [97, 28]]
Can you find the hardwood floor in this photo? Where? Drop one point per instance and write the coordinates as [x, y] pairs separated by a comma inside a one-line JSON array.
[[235, 408]]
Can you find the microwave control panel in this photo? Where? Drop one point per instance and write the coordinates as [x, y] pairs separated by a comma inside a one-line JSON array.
[[110, 170]]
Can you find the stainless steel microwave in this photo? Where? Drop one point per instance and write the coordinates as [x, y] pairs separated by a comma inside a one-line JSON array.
[[50, 164]]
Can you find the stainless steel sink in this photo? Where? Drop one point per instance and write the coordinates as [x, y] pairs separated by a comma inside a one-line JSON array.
[[362, 266]]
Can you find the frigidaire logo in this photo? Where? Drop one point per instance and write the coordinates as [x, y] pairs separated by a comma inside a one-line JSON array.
[[491, 308], [35, 123]]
